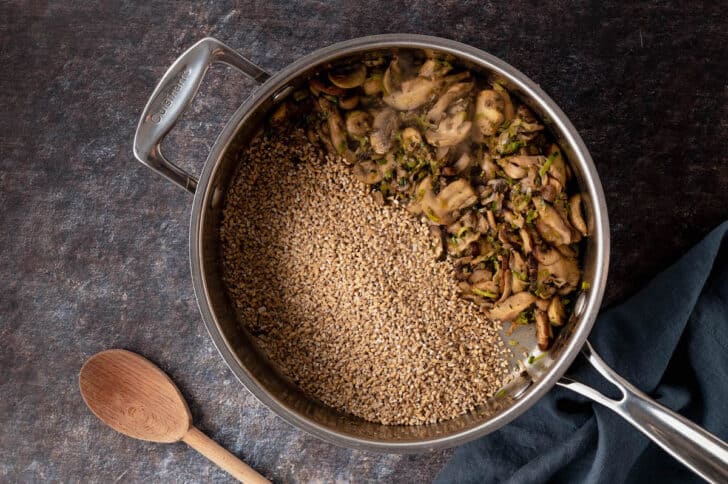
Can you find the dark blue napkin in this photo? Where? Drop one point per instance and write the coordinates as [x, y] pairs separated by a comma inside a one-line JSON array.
[[671, 341]]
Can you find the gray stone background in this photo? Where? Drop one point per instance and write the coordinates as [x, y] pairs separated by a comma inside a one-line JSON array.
[[94, 246]]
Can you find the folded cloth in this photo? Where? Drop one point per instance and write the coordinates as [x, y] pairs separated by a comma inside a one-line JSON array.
[[671, 341]]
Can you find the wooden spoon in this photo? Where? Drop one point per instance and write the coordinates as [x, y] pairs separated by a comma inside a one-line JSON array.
[[133, 396]]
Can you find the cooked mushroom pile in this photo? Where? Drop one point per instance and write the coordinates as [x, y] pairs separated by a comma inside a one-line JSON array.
[[474, 163]]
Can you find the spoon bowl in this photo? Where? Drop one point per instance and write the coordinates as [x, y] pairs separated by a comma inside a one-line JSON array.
[[133, 396]]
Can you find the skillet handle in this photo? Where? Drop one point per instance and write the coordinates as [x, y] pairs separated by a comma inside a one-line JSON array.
[[704, 453], [172, 96]]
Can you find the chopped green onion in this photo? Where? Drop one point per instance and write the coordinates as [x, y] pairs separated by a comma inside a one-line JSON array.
[[520, 275], [482, 293], [542, 171]]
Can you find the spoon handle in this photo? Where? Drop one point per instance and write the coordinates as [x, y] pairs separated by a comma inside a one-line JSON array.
[[220, 456]]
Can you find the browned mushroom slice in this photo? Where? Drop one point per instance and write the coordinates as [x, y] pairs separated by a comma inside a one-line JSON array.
[[486, 289], [348, 77], [556, 168], [411, 139], [489, 108], [510, 308], [453, 93], [519, 273], [546, 255], [434, 68], [392, 78], [348, 103], [337, 130], [549, 192], [385, 126], [550, 225], [480, 275], [437, 242], [509, 112], [563, 274], [506, 284], [373, 85], [423, 200], [577, 220], [358, 123], [318, 87], [544, 333], [463, 163], [556, 312], [451, 130], [367, 172], [511, 169], [526, 243], [411, 95], [455, 196], [543, 304], [526, 121]]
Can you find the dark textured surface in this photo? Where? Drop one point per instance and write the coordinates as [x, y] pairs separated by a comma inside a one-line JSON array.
[[94, 246]]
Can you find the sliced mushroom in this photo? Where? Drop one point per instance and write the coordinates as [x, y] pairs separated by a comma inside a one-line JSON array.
[[434, 68], [510, 308], [455, 196], [480, 275], [318, 87], [488, 167], [543, 304], [348, 77], [423, 200], [509, 112], [543, 330], [547, 255], [367, 172], [373, 85], [489, 107], [550, 225], [557, 168], [526, 243], [463, 244], [512, 170], [525, 161], [411, 95], [385, 126], [519, 273], [506, 284], [563, 274], [463, 163], [549, 192], [348, 103], [453, 93], [392, 78], [358, 123], [491, 220], [437, 242], [525, 120], [556, 312], [486, 289], [337, 130], [451, 130], [279, 115], [411, 139], [575, 216]]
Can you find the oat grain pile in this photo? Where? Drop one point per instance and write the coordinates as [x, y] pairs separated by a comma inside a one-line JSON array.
[[344, 294]]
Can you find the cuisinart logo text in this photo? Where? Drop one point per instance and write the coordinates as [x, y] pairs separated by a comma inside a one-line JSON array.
[[170, 96]]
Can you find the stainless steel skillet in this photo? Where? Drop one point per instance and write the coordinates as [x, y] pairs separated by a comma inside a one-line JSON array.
[[699, 450]]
